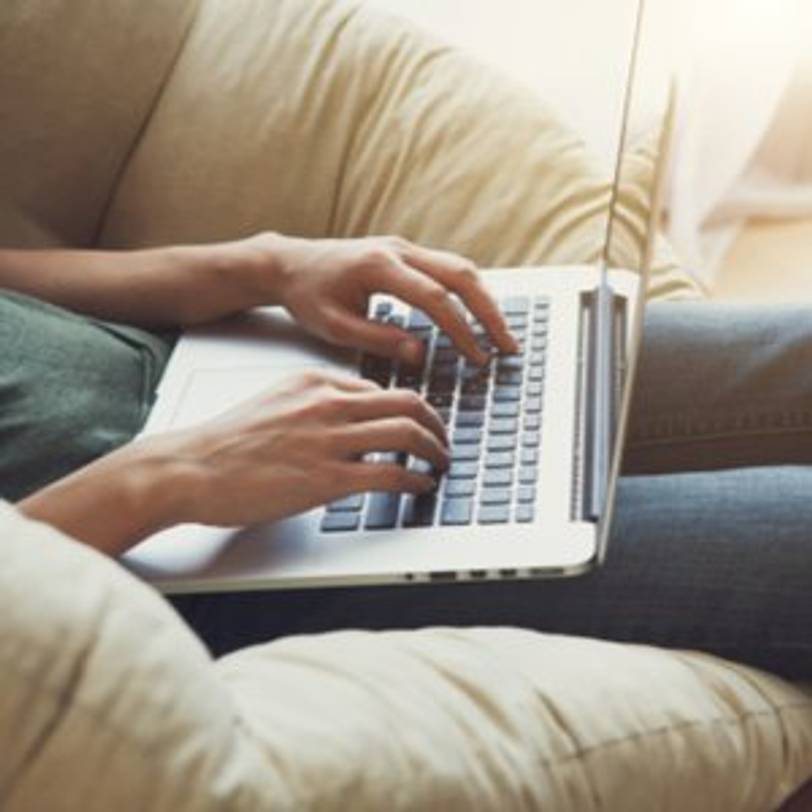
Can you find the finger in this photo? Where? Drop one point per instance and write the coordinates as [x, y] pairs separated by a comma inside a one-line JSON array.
[[460, 275], [391, 434], [351, 330], [418, 289], [381, 476], [396, 403], [338, 380]]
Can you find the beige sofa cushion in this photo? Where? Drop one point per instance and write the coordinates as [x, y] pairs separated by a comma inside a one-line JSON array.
[[109, 703], [134, 123]]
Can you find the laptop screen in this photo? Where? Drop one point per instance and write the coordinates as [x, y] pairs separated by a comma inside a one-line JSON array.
[[633, 221]]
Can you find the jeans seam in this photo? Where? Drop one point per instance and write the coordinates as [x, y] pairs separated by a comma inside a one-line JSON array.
[[744, 424]]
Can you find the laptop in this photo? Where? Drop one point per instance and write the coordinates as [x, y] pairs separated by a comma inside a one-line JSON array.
[[536, 437]]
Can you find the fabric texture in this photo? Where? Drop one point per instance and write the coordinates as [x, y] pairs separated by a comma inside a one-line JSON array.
[[108, 702], [321, 119], [143, 122], [71, 390]]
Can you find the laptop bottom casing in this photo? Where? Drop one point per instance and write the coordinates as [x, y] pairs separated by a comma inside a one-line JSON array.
[[216, 367]]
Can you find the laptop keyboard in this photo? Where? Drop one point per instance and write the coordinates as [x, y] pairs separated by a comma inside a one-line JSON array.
[[493, 415]]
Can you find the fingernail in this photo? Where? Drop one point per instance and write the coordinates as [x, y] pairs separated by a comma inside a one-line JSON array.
[[410, 352]]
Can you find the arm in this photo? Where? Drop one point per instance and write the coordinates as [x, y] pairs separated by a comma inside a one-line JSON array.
[[159, 287], [325, 284], [298, 446]]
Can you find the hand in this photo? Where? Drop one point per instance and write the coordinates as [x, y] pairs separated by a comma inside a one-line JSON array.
[[302, 445], [326, 285], [284, 452]]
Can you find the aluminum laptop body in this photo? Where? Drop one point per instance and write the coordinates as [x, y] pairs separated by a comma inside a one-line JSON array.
[[592, 317]]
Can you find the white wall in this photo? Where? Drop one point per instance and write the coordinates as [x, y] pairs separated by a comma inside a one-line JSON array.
[[574, 53]]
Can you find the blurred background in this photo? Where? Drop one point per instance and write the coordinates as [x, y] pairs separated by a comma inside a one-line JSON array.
[[739, 200]]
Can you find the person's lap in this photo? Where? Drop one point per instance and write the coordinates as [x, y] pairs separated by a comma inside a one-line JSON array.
[[709, 545]]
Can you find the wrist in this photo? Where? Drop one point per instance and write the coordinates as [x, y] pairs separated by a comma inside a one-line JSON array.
[[263, 267], [115, 502]]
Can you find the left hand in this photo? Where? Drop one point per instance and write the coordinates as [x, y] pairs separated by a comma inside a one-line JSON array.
[[326, 285]]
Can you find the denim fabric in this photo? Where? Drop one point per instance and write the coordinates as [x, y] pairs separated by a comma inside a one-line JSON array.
[[711, 543]]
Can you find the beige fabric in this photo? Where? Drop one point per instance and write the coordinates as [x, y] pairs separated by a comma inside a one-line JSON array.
[[310, 118], [77, 83], [109, 703]]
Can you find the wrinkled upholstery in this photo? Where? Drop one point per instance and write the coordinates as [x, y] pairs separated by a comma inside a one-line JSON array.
[[109, 702], [139, 122]]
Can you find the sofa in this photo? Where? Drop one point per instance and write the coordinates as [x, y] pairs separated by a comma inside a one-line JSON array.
[[141, 122]]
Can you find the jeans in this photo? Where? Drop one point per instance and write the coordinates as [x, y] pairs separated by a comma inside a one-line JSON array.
[[711, 546]]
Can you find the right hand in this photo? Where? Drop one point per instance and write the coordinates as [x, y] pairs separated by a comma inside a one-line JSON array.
[[301, 445]]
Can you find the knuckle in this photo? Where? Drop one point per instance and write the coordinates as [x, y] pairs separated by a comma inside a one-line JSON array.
[[396, 243], [412, 402], [437, 295], [393, 477], [310, 378], [377, 256], [467, 274]]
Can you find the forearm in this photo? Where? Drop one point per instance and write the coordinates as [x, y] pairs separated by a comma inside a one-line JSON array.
[[159, 287], [115, 502]]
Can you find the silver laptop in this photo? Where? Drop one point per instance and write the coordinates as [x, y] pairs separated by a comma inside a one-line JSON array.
[[536, 437]]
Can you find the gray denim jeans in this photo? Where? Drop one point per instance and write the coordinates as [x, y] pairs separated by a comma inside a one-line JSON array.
[[712, 542]]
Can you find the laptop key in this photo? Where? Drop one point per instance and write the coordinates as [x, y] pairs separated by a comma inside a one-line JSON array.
[[508, 362], [382, 511], [504, 394], [472, 403], [499, 459], [503, 425], [463, 436], [495, 496], [340, 522], [528, 476], [348, 503], [510, 409], [509, 376], [440, 400], [460, 487], [502, 442], [418, 319], [470, 419], [535, 389], [532, 403], [515, 304], [463, 452], [525, 513], [529, 456], [532, 422], [493, 514], [439, 384], [531, 439], [474, 387], [382, 310], [463, 470], [526, 493], [456, 511], [419, 510], [498, 478]]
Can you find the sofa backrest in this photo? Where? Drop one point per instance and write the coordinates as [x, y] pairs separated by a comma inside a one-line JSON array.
[[78, 81], [142, 122]]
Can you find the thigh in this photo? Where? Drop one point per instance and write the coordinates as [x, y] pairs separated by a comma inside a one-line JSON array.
[[719, 561], [720, 386], [71, 390]]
